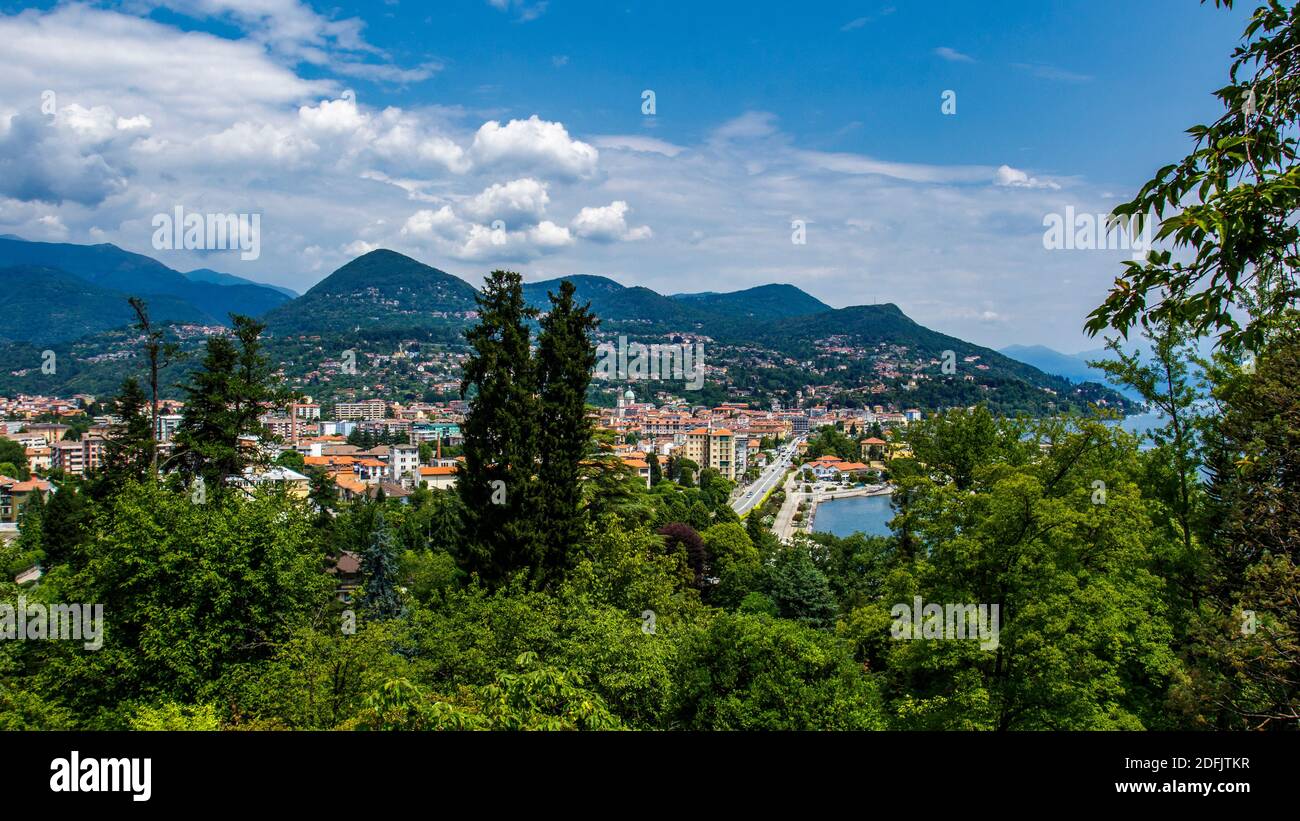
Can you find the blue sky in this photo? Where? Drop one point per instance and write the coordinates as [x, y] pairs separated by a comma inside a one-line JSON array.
[[418, 126]]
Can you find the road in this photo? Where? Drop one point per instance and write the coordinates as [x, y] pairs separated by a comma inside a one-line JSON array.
[[754, 493]]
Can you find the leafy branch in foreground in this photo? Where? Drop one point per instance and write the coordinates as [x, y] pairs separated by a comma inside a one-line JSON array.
[[1232, 202]]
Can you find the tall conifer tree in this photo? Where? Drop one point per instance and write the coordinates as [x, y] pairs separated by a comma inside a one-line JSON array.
[[497, 480], [566, 354]]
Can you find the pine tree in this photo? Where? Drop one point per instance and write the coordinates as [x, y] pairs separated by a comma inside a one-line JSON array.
[[379, 567], [566, 355], [497, 481], [224, 397], [129, 449]]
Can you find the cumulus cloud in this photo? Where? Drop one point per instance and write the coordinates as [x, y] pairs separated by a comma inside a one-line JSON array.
[[47, 161], [607, 224], [533, 144], [515, 202], [448, 234]]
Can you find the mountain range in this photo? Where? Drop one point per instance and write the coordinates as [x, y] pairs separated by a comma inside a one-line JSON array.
[[767, 339], [62, 291]]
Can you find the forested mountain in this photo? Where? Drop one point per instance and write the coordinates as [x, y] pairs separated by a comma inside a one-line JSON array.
[[114, 269], [43, 305], [761, 302]]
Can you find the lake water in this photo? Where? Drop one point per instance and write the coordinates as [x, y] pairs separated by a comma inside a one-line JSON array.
[[844, 517], [1140, 423]]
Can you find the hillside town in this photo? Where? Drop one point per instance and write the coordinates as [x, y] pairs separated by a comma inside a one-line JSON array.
[[373, 445]]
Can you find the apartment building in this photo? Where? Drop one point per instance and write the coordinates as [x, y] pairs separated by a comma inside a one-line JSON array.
[[77, 458], [403, 461], [15, 494], [713, 449], [366, 409]]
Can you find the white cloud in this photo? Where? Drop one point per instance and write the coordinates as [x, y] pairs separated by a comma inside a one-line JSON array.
[[608, 224], [518, 201], [533, 144], [547, 234], [1014, 178], [294, 31]]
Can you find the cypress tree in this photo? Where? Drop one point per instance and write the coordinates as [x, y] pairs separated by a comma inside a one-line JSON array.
[[566, 355], [496, 481]]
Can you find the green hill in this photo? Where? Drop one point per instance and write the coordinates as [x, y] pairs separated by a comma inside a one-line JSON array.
[[110, 267], [382, 292], [761, 302], [43, 305]]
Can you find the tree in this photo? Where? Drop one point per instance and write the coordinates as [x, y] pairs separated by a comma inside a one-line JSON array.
[[16, 455], [736, 563], [65, 524], [566, 355], [1231, 202], [195, 592], [752, 672], [1083, 639], [160, 356], [684, 540], [656, 473], [224, 397], [379, 566], [960, 441], [497, 480], [130, 447], [292, 459], [1166, 384], [1247, 633], [800, 590]]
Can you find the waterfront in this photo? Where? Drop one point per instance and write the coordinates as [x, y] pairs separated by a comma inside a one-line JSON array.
[[844, 517]]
